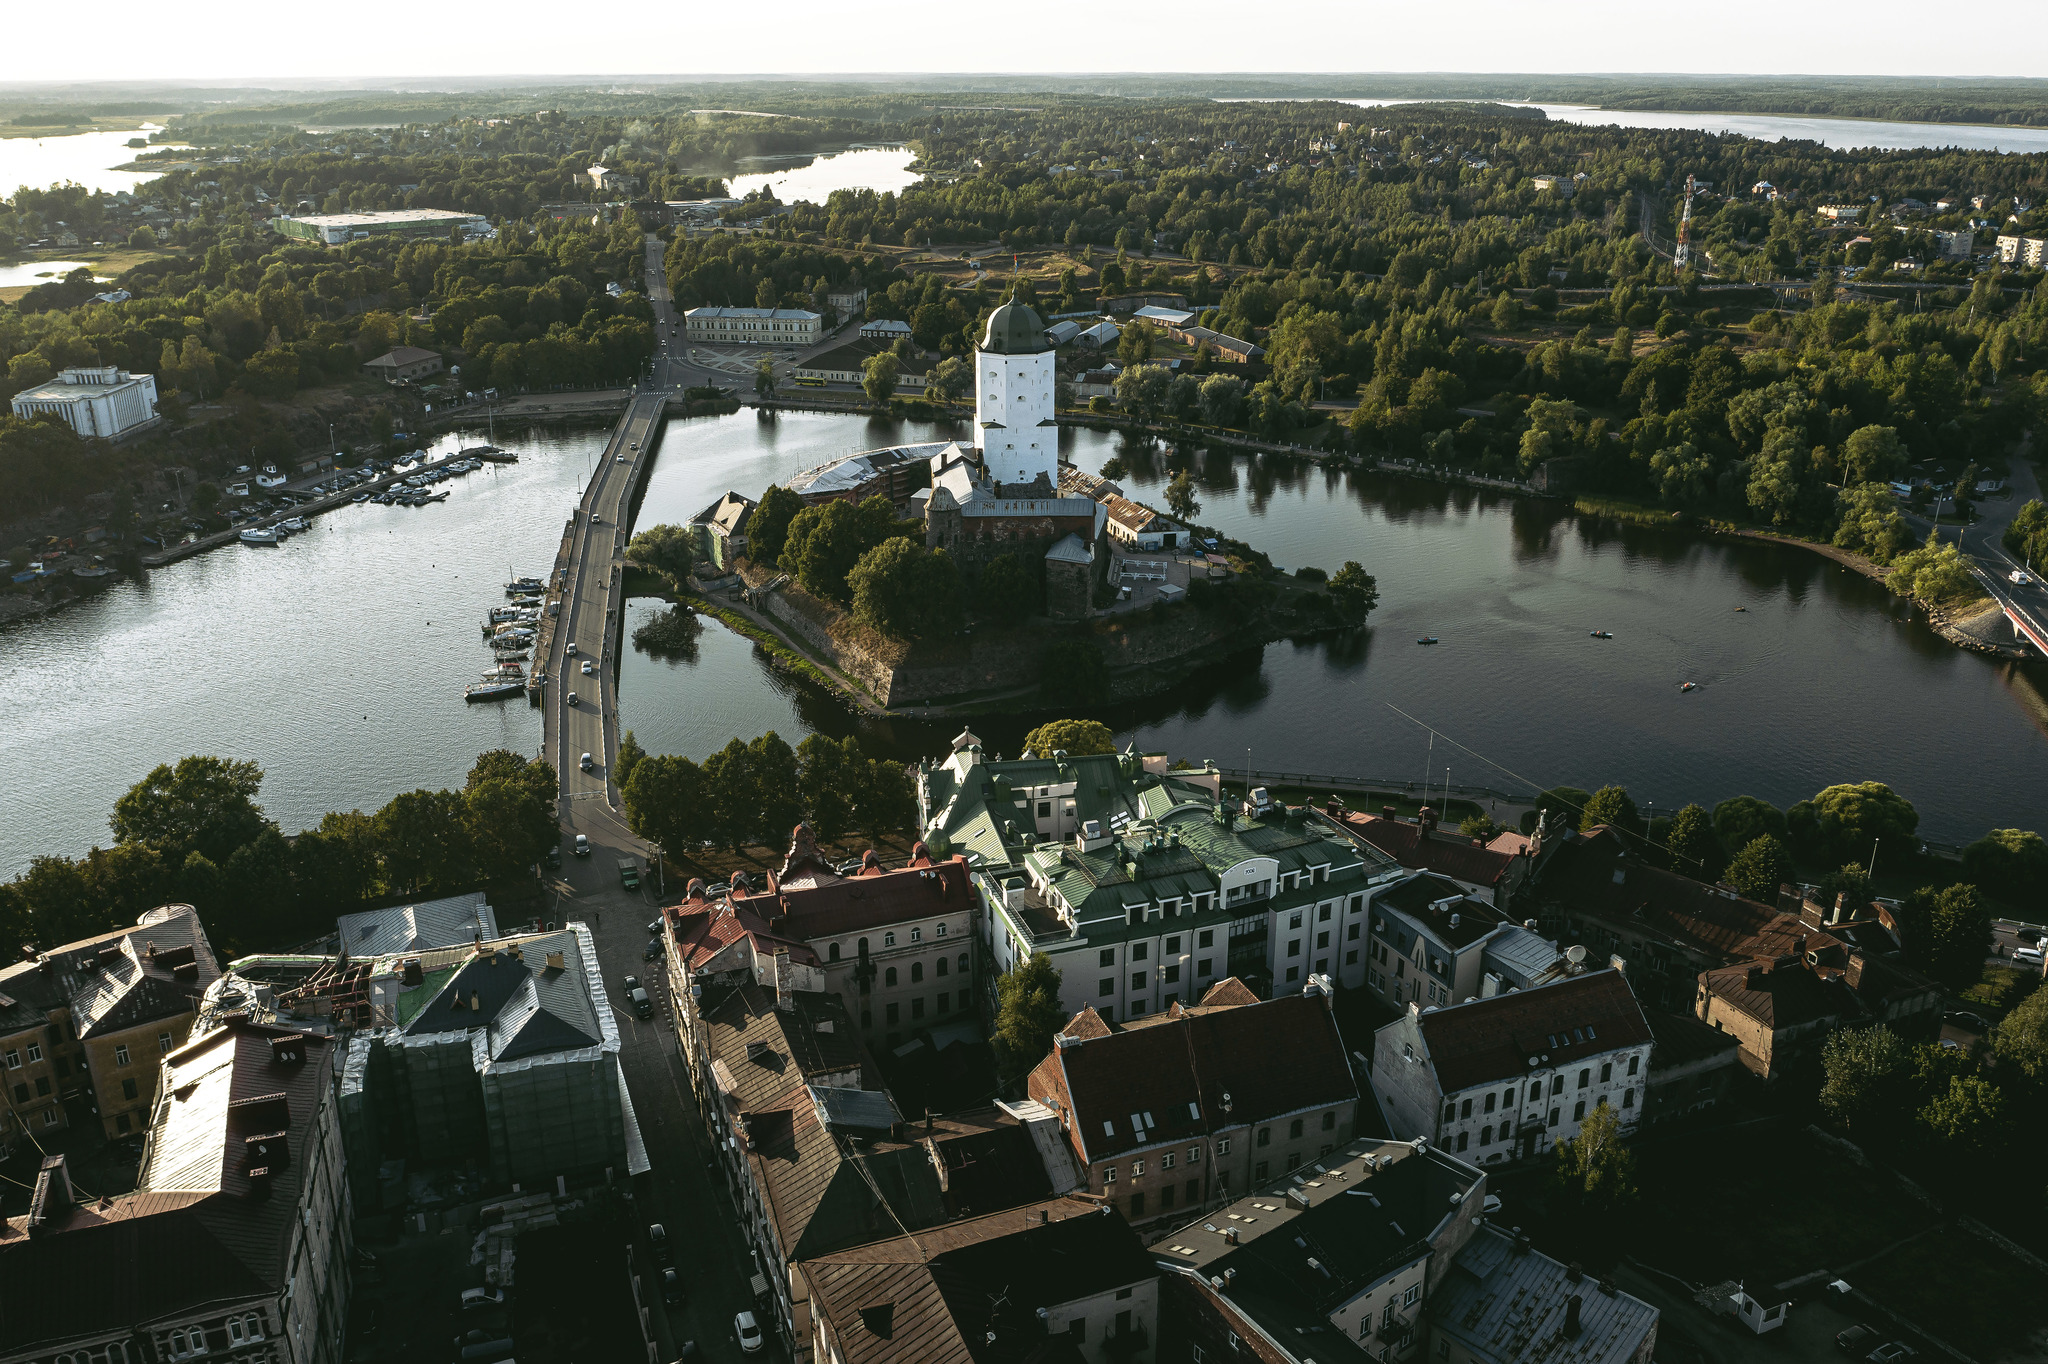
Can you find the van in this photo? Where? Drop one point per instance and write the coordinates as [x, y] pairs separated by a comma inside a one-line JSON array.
[[643, 1006]]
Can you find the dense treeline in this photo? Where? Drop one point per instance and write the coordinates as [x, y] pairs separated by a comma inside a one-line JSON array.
[[755, 793], [193, 832]]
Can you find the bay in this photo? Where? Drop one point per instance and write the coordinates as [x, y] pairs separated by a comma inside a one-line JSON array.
[[87, 159], [881, 169]]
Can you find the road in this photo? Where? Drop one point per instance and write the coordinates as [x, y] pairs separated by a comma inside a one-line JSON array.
[[1982, 543], [682, 1190]]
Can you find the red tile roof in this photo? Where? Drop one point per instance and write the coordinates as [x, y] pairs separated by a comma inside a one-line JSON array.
[[1460, 859], [1275, 1057], [1493, 1039]]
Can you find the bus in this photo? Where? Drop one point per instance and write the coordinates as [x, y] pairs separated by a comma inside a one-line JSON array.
[[807, 382]]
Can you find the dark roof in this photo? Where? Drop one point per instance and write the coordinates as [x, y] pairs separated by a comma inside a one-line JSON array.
[[990, 1161], [1014, 329], [1682, 1039], [937, 1297], [1432, 901], [1592, 874], [764, 1051], [1275, 1057], [820, 1196], [1493, 1039], [193, 1233], [1461, 859], [839, 907], [117, 980], [401, 355]]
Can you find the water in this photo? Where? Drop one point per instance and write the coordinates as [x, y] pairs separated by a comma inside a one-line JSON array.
[[316, 659], [86, 158], [1821, 678], [881, 169], [39, 271], [1842, 134]]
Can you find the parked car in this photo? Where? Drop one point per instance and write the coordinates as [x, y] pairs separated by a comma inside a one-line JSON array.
[[582, 845], [657, 1237], [652, 951], [1890, 1352], [749, 1332], [477, 1299], [630, 984], [1964, 1019], [1856, 1339], [671, 1288]]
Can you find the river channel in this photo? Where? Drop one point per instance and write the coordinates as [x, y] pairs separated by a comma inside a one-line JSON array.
[[336, 661]]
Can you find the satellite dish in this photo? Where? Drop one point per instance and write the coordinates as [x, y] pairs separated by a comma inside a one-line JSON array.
[[1575, 954]]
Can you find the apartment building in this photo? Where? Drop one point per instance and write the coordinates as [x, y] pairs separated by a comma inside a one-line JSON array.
[[753, 326]]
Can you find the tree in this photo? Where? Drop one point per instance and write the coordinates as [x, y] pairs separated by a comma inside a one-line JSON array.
[[775, 776], [905, 591], [731, 792], [1008, 589], [1610, 805], [765, 295], [768, 527], [1074, 673], [630, 754], [1594, 1170], [1870, 522], [2010, 864], [1355, 591], [1847, 820], [1507, 313], [424, 840], [1076, 738], [668, 803], [885, 802], [666, 549], [1115, 469], [2021, 1040], [336, 864], [1181, 498], [879, 376], [828, 773], [1936, 573], [1141, 389], [824, 543], [1866, 1087], [949, 378], [1562, 804], [1695, 851], [509, 827], [257, 907], [1872, 454], [1971, 1123], [1760, 868], [1221, 399], [1741, 820], [1028, 1015], [765, 379], [204, 804], [1946, 933]]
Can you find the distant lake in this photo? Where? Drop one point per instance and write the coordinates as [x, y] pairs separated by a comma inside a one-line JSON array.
[[1840, 133], [884, 170], [38, 271], [84, 158]]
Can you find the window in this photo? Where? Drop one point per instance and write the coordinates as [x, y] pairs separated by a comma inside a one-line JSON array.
[[889, 976], [1330, 1121], [1206, 938], [832, 952], [1293, 974], [1556, 1084], [1351, 933], [1294, 919], [42, 1086], [1265, 1136], [1196, 1356], [21, 1094], [1463, 1137], [891, 1013], [1628, 1096], [1109, 1174], [1166, 1161], [121, 1054], [53, 1116], [1108, 957], [916, 972], [1579, 1111], [1443, 1348], [1585, 1077], [1137, 980], [1633, 1062], [1173, 974], [1294, 947], [1137, 1169], [1465, 1109], [35, 1054], [14, 1060], [1351, 957], [1259, 1170], [1138, 950], [1606, 1071], [917, 935], [1108, 986], [1553, 1116], [1294, 1128], [1451, 1111], [1322, 940], [963, 963], [163, 1042], [888, 940], [1205, 967], [1078, 1328], [945, 1000], [1044, 806], [1506, 1128], [863, 947], [128, 1089], [917, 1008], [1486, 1136], [1489, 1103], [1222, 1149], [1507, 1098]]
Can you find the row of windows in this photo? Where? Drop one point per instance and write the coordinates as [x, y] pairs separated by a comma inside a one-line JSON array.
[[889, 976], [1454, 1110], [832, 952], [892, 1013]]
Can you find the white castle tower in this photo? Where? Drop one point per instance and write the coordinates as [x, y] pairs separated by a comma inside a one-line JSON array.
[[1013, 404]]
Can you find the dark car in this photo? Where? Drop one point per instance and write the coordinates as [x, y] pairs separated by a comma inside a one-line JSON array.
[[652, 951], [664, 1253], [631, 983], [555, 857], [1856, 1340], [1963, 1019], [1891, 1352], [671, 1288]]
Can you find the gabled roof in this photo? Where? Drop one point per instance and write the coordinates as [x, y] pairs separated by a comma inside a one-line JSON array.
[[764, 1051], [448, 922], [1131, 1089], [855, 904], [401, 355], [1461, 859], [1493, 1039]]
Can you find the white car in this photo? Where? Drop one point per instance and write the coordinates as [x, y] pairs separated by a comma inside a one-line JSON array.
[[2020, 576], [570, 648], [749, 1332], [588, 667]]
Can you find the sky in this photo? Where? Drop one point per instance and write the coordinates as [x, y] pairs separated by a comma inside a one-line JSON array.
[[246, 41]]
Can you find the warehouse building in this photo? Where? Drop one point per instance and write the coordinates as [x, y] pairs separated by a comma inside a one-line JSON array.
[[335, 229]]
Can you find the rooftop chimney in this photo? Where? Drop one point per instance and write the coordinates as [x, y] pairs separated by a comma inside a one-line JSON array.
[[785, 989], [1571, 1317], [1573, 1272], [1841, 910], [52, 1198], [557, 962]]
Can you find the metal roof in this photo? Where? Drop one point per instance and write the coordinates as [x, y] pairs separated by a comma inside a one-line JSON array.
[[450, 922]]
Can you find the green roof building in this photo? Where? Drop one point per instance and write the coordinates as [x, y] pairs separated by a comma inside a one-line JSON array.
[[1141, 885]]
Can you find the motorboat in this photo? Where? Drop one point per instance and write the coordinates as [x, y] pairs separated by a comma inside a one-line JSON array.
[[1427, 639], [297, 525], [94, 570], [1688, 686], [258, 535], [525, 585], [1602, 634], [493, 689], [360, 497]]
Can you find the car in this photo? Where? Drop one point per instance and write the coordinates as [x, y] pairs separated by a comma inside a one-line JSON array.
[[643, 1003], [585, 762], [572, 700], [1856, 1339], [589, 668], [636, 445], [671, 1288], [570, 648], [1890, 1352], [630, 983], [1961, 1018], [654, 926], [657, 1237], [477, 1299], [652, 951], [618, 459], [749, 1331], [596, 520], [555, 858], [2020, 577], [582, 848]]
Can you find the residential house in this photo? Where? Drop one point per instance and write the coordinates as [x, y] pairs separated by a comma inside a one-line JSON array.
[[82, 1026], [719, 532], [604, 180], [1841, 213], [1192, 1106], [1510, 1077], [1065, 1280], [403, 363], [1559, 184], [884, 329], [99, 400], [1135, 526], [236, 1241], [1955, 245], [848, 365], [846, 299], [1139, 884], [1486, 873], [1427, 942], [1782, 1009], [1224, 347], [1503, 1301]]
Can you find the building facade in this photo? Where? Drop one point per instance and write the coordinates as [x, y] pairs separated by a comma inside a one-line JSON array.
[[2026, 252], [337, 229], [753, 326], [102, 401], [1013, 399]]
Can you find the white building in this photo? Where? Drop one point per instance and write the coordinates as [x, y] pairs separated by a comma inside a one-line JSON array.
[[103, 401], [1013, 399], [753, 326], [2012, 250], [1508, 1077], [1956, 245]]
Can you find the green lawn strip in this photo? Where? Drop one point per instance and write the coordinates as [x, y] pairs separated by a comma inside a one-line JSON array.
[[2000, 990], [739, 624], [1966, 1290]]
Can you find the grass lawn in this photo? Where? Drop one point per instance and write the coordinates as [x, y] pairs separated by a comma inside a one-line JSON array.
[[2001, 989], [1968, 1291]]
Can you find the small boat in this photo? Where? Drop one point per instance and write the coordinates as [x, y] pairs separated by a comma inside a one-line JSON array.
[[257, 535], [518, 585], [1687, 686], [92, 571], [360, 497], [297, 525], [1427, 639], [1603, 634], [1742, 608], [493, 690]]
